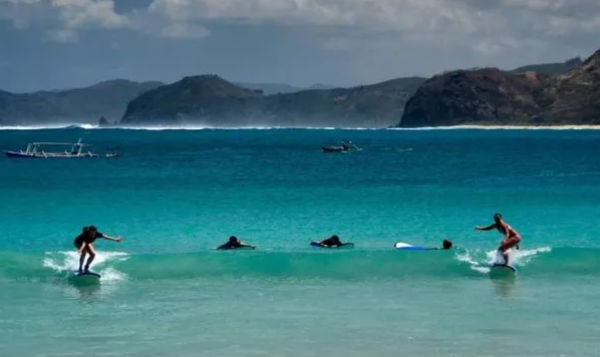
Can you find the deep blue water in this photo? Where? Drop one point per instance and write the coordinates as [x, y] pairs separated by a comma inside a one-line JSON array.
[[176, 194]]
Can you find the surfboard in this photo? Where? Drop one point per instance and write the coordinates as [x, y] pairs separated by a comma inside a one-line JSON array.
[[406, 246], [344, 245], [499, 266], [86, 276], [502, 270]]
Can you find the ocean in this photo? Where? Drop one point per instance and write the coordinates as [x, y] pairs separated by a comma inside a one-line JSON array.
[[174, 195]]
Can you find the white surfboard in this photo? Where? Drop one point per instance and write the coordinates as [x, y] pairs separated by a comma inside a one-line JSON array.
[[406, 246], [500, 268]]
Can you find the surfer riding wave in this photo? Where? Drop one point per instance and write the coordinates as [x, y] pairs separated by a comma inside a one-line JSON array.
[[84, 246], [511, 237]]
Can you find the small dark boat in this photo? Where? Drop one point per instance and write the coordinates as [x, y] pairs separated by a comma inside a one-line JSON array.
[[345, 147], [333, 149]]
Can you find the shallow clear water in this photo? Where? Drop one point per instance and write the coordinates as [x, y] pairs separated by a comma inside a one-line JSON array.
[[175, 195]]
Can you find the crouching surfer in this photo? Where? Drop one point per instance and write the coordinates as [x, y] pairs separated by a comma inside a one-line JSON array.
[[84, 243], [511, 237], [234, 243]]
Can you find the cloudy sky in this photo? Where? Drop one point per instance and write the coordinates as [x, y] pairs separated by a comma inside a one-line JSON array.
[[47, 44]]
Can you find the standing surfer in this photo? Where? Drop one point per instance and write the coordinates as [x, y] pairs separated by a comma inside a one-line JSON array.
[[511, 237], [84, 241]]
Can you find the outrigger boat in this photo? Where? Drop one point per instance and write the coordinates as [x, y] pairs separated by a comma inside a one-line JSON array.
[[37, 151]]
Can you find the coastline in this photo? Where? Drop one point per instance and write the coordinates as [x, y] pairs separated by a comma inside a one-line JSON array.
[[525, 127], [191, 127]]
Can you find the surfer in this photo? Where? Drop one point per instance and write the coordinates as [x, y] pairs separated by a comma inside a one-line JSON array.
[[234, 243], [84, 241], [511, 237], [334, 241], [446, 244]]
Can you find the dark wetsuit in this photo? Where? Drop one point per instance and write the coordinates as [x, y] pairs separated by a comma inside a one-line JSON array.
[[331, 242], [230, 245], [85, 237]]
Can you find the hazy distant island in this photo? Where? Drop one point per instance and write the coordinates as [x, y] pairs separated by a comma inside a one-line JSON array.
[[545, 94], [81, 105]]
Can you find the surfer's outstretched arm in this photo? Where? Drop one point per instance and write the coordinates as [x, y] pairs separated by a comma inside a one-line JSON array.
[[114, 239], [247, 245], [488, 228]]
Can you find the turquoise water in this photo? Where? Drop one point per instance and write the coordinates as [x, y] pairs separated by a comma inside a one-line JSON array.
[[174, 195]]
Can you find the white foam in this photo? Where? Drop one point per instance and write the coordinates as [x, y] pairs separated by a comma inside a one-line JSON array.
[[258, 127], [68, 261], [502, 127], [475, 265], [49, 127], [523, 257], [517, 258], [233, 128]]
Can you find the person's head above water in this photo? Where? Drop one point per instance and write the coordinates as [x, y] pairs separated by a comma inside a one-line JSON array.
[[447, 244], [233, 239], [335, 238], [498, 218]]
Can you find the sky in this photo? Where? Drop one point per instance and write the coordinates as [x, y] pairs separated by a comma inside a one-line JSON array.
[[52, 44]]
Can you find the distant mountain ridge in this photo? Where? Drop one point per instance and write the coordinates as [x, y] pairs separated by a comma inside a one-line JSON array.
[[278, 88], [550, 69], [81, 105], [212, 101], [542, 93]]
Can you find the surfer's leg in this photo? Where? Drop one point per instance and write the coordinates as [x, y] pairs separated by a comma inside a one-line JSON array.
[[82, 259], [507, 244], [92, 254]]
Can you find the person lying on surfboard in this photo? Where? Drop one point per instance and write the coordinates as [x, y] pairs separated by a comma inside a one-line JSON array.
[[234, 243], [511, 237], [84, 245], [334, 241]]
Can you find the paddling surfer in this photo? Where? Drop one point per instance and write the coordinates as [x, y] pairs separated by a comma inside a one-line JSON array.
[[84, 243], [334, 241], [511, 237], [234, 243]]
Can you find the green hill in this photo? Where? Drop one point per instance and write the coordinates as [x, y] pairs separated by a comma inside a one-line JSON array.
[[212, 101]]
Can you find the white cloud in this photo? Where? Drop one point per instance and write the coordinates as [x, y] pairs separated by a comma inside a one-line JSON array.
[[484, 26], [75, 14], [62, 19], [487, 27], [184, 31]]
